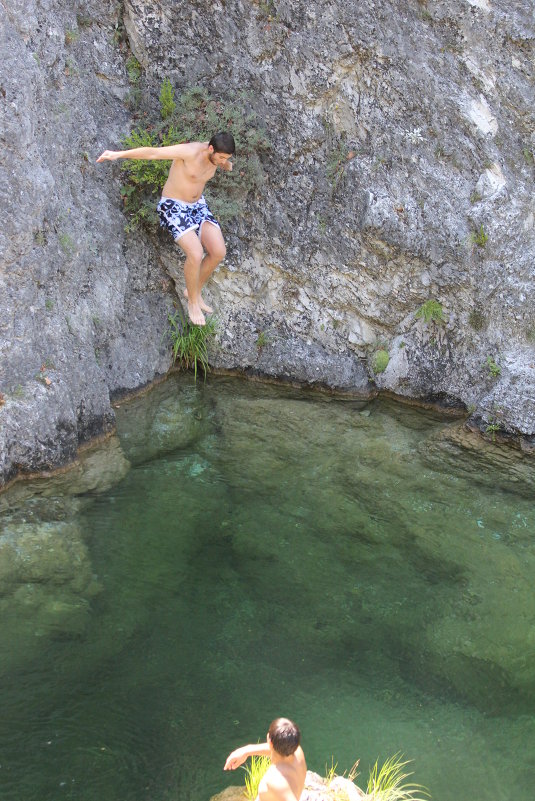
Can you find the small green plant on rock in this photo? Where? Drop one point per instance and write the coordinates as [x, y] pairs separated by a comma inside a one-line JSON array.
[[133, 69], [262, 340], [71, 36], [479, 238], [67, 244], [254, 773], [477, 320], [491, 429], [190, 342], [380, 361], [167, 99], [493, 368], [430, 311]]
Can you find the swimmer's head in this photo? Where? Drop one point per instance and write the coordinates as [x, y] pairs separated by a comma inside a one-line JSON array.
[[284, 736], [223, 142]]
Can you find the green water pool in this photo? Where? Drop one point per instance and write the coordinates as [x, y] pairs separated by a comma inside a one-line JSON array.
[[243, 551]]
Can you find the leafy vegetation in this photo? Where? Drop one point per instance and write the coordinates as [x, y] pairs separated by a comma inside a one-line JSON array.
[[430, 311], [190, 342], [133, 69], [194, 116], [254, 772], [380, 361]]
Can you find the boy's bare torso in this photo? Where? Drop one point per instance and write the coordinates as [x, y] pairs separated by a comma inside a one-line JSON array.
[[284, 781], [189, 175]]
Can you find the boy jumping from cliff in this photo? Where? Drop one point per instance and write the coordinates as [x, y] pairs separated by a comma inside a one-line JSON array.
[[183, 209], [285, 778]]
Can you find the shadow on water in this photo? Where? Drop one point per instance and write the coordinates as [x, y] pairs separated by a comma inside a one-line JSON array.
[[241, 551]]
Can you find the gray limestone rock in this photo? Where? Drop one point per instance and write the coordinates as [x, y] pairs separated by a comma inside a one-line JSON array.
[[401, 171]]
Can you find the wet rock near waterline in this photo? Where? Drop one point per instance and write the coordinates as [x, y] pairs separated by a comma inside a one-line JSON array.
[[462, 449], [60, 495]]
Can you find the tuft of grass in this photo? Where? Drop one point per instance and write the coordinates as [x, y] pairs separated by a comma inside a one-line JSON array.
[[380, 361], [71, 36], [387, 783], [330, 772], [133, 69], [67, 244], [254, 772], [493, 368], [262, 340], [430, 311], [491, 429], [477, 320], [167, 99], [479, 238], [190, 342]]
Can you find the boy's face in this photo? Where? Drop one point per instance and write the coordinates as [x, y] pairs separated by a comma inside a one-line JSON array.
[[218, 159]]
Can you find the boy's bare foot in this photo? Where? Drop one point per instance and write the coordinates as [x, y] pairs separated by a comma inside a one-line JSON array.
[[202, 304], [195, 314]]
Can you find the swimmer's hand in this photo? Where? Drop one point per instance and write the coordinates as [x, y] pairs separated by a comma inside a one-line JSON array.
[[110, 155], [236, 758], [227, 166]]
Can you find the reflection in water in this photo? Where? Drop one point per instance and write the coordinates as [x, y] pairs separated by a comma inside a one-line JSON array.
[[363, 569]]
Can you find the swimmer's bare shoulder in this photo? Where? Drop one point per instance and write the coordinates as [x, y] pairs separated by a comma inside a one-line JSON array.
[[284, 782], [274, 787]]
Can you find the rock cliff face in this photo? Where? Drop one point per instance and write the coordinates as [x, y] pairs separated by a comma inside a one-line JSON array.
[[401, 172]]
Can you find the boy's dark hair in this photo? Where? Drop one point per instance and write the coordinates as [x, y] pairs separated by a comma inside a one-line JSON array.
[[223, 142], [284, 735]]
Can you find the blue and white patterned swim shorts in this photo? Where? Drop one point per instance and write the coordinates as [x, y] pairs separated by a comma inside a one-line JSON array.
[[179, 217]]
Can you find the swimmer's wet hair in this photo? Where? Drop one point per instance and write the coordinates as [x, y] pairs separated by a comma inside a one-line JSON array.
[[284, 735], [223, 142]]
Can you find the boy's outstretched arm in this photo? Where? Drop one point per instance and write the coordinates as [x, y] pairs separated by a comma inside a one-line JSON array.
[[238, 757], [149, 153]]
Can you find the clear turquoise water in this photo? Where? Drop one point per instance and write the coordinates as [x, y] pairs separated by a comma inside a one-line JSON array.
[[274, 552]]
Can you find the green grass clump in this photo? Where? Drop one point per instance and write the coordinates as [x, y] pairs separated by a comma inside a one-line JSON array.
[[167, 99], [479, 238], [477, 320], [195, 116], [254, 772], [133, 69], [380, 361], [190, 342], [430, 311], [493, 368], [387, 783]]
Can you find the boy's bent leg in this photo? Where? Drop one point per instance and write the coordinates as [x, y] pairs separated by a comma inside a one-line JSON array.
[[214, 245], [213, 242], [192, 248]]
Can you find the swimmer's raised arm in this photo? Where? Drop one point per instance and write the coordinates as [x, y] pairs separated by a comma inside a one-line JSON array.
[[148, 153], [238, 757]]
